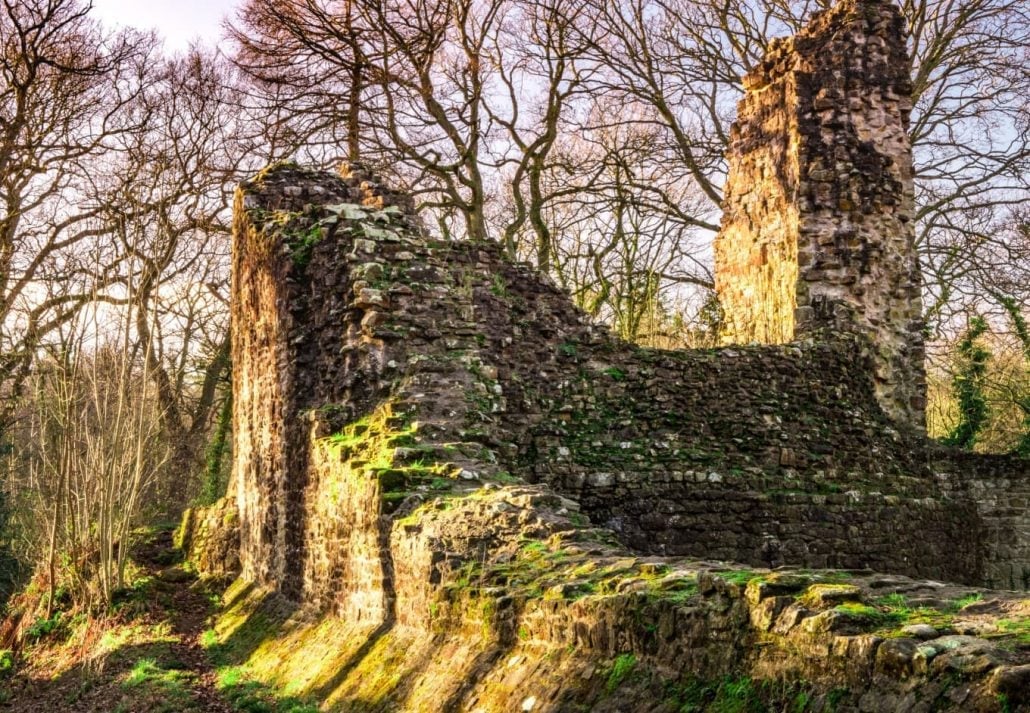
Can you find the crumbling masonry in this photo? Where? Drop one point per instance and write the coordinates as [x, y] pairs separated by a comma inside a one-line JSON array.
[[466, 496], [817, 229], [363, 348]]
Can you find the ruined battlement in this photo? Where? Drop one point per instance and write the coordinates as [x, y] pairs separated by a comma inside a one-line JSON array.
[[375, 364], [817, 228], [444, 473], [453, 491]]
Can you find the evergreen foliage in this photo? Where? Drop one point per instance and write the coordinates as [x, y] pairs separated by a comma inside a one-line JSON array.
[[968, 383]]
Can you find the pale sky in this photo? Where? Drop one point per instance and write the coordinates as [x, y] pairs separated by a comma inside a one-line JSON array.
[[178, 21]]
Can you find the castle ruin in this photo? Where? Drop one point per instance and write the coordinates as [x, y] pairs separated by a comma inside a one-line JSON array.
[[477, 495], [817, 229]]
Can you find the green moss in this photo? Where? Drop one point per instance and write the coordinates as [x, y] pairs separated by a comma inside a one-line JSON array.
[[678, 590], [868, 614], [740, 577], [352, 435], [369, 446], [215, 479], [299, 231], [441, 483], [737, 696], [726, 695], [622, 667], [302, 242]]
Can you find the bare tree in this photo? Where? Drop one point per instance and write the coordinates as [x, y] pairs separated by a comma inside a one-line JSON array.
[[436, 94], [469, 102], [971, 140], [684, 59], [66, 92], [623, 260], [534, 46], [91, 447], [304, 56], [171, 211]]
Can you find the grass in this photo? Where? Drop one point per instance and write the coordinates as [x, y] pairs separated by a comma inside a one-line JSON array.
[[244, 630], [894, 601], [889, 614], [1017, 629], [151, 686], [44, 627], [505, 478], [251, 696], [965, 601], [727, 695], [498, 287]]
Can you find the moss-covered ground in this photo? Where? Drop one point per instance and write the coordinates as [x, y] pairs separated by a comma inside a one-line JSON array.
[[146, 655]]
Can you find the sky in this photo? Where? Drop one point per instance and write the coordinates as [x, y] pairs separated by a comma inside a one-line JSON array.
[[178, 21]]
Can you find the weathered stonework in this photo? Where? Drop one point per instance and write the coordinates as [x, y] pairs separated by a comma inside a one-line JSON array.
[[307, 359], [999, 485], [455, 492], [391, 388], [209, 538], [399, 364], [505, 603], [818, 212]]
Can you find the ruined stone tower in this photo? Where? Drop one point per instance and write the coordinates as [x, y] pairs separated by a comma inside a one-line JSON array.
[[817, 231]]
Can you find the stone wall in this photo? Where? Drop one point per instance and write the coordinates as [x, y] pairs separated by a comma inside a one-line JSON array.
[[999, 486], [506, 601], [418, 366], [455, 492], [764, 455], [817, 228], [209, 538], [306, 359]]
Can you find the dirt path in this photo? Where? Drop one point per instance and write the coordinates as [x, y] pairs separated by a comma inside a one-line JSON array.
[[154, 662]]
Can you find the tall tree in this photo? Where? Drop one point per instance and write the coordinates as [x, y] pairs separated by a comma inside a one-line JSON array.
[[171, 213], [68, 90]]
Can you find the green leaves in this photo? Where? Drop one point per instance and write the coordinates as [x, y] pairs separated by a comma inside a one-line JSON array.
[[969, 386]]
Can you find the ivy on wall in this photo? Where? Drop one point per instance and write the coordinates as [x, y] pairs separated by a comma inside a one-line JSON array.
[[968, 383]]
